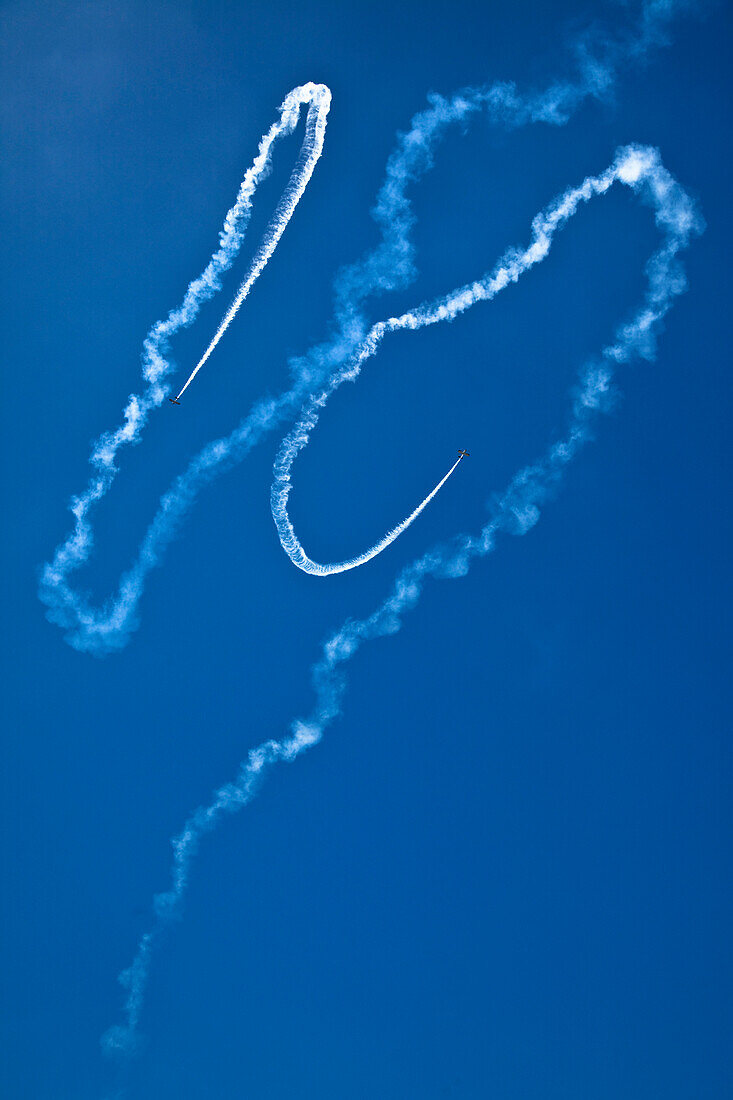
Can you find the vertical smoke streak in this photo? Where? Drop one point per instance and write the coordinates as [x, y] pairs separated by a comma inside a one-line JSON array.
[[516, 511], [311, 149]]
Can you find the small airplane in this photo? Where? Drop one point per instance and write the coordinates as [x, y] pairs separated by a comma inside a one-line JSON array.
[[465, 454], [174, 401]]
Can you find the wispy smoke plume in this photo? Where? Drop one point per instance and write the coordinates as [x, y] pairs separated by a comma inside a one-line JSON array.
[[99, 630], [514, 512], [390, 266]]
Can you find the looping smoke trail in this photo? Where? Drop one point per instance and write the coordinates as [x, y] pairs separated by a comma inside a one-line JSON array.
[[106, 629], [516, 511], [512, 264], [100, 630]]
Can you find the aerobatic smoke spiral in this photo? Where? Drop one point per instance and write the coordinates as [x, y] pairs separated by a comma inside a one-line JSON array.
[[352, 341]]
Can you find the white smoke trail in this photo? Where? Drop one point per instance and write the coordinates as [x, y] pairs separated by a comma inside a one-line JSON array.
[[106, 629], [513, 263], [390, 265], [312, 147], [299, 557], [514, 512]]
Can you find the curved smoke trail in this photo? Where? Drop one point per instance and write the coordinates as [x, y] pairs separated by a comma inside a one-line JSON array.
[[297, 554], [515, 512], [510, 267], [389, 266]]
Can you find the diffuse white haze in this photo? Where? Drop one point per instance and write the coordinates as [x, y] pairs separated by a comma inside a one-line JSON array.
[[339, 358]]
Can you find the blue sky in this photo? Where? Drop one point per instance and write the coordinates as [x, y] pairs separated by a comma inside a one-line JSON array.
[[505, 870]]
